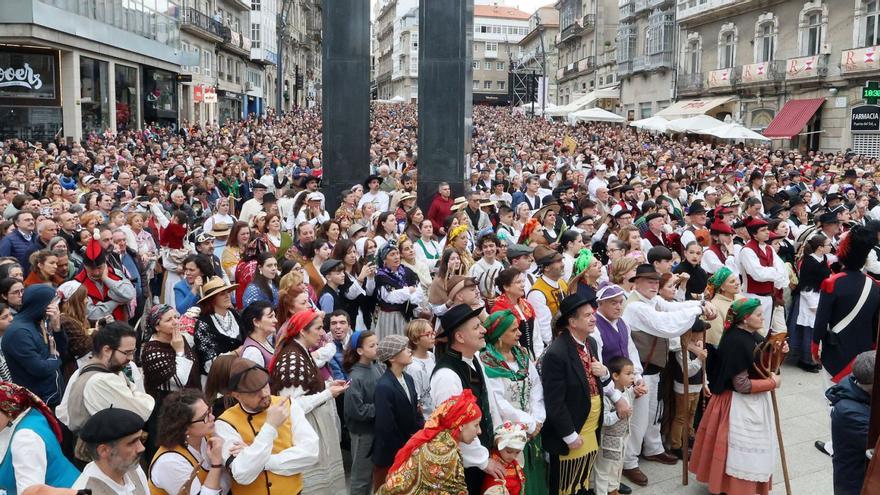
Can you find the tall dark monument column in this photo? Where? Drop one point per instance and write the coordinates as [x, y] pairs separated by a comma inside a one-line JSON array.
[[445, 73], [345, 96]]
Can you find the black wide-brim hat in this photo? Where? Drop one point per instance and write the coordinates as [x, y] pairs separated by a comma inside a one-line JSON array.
[[645, 270], [456, 317], [371, 179], [570, 305]]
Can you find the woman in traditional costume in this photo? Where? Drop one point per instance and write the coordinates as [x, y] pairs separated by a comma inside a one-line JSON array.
[[398, 291], [735, 450], [721, 290], [430, 463], [587, 271], [295, 374], [512, 285], [511, 371]]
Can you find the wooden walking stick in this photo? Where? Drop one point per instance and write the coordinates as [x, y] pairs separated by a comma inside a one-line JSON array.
[[686, 431], [769, 360]]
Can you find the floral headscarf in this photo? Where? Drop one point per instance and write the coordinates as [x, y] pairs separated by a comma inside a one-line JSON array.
[[155, 315], [740, 310], [15, 399], [494, 363], [448, 416], [295, 325]]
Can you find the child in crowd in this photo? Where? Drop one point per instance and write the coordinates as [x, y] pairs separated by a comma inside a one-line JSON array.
[[615, 431], [684, 414], [510, 439], [421, 341], [397, 405], [360, 410]]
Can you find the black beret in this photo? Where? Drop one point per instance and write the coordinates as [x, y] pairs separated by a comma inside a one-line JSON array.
[[109, 425], [651, 216]]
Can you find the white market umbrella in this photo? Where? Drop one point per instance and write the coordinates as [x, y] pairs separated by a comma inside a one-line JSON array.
[[594, 115], [653, 124], [527, 107], [397, 99], [693, 124], [734, 132]]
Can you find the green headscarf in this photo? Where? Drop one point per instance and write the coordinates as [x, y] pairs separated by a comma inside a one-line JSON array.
[[740, 310], [584, 258], [494, 365], [720, 277]]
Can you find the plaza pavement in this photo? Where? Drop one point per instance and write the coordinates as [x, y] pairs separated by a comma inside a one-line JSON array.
[[804, 417]]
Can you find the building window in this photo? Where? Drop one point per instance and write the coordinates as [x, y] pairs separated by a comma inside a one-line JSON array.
[[195, 69], [765, 42], [813, 35], [491, 46], [500, 85], [255, 35], [208, 57], [477, 46], [475, 65], [185, 47], [487, 65], [487, 84], [871, 34], [726, 49], [499, 65], [221, 67], [476, 84], [692, 57], [255, 5]]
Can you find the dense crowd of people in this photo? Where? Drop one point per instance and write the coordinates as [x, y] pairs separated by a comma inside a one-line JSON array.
[[185, 312]]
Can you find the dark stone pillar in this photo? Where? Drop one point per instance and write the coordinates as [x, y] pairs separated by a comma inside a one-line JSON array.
[[445, 122], [345, 96]]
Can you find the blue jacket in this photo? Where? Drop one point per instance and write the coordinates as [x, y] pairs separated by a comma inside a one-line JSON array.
[[14, 244], [336, 362], [27, 354], [184, 297], [849, 431], [397, 417], [60, 473]]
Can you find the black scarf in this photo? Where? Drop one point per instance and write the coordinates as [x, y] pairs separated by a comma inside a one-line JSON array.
[[735, 354], [698, 280]]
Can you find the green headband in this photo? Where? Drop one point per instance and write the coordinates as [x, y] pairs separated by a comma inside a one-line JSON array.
[[585, 257], [497, 324], [720, 277], [740, 310]]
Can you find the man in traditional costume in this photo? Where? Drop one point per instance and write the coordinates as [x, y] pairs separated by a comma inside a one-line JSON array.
[[722, 251], [762, 269], [847, 316], [547, 292], [459, 369], [431, 463], [653, 322], [279, 442], [109, 293], [112, 439], [735, 449], [572, 378]]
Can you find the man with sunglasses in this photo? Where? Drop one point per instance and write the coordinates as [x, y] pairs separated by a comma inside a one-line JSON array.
[[279, 441], [109, 379]]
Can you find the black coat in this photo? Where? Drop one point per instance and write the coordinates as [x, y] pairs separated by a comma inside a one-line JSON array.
[[566, 392], [397, 418]]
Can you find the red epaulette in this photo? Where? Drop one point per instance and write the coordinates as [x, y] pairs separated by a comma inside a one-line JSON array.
[[828, 283]]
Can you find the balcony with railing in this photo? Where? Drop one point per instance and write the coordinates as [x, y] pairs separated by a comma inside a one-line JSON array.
[[624, 68], [243, 5], [761, 73], [571, 30], [710, 7], [627, 10], [202, 25], [589, 22], [656, 4], [661, 60], [234, 42], [640, 6], [689, 83], [806, 69], [639, 63]]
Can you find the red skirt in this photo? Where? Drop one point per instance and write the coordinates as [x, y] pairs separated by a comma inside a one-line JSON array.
[[709, 457]]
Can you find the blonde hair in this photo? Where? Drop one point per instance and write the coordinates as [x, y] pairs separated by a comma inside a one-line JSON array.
[[620, 267], [414, 330]]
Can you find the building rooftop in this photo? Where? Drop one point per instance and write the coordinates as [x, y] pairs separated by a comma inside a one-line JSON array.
[[499, 11]]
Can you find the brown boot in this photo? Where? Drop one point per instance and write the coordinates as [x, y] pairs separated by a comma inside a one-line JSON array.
[[636, 476]]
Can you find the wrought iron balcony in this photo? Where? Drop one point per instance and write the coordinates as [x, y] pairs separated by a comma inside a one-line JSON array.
[[201, 24], [689, 83]]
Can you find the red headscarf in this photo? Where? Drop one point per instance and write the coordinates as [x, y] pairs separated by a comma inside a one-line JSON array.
[[15, 400], [452, 413], [295, 325]]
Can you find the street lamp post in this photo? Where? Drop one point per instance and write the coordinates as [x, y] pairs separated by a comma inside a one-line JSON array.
[[280, 32]]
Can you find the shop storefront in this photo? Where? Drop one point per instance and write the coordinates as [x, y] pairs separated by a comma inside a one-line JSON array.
[[126, 97], [160, 97], [94, 95], [229, 106], [30, 94]]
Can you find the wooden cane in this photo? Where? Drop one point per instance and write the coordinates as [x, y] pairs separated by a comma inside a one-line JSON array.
[[781, 445], [685, 432], [775, 343]]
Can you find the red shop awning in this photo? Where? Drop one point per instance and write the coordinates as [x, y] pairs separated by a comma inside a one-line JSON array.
[[790, 121]]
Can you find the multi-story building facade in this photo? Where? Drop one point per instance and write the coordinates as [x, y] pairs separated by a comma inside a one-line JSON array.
[[793, 69], [81, 68], [586, 47], [538, 49], [645, 56], [393, 21], [498, 31], [217, 34], [405, 57], [264, 54]]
